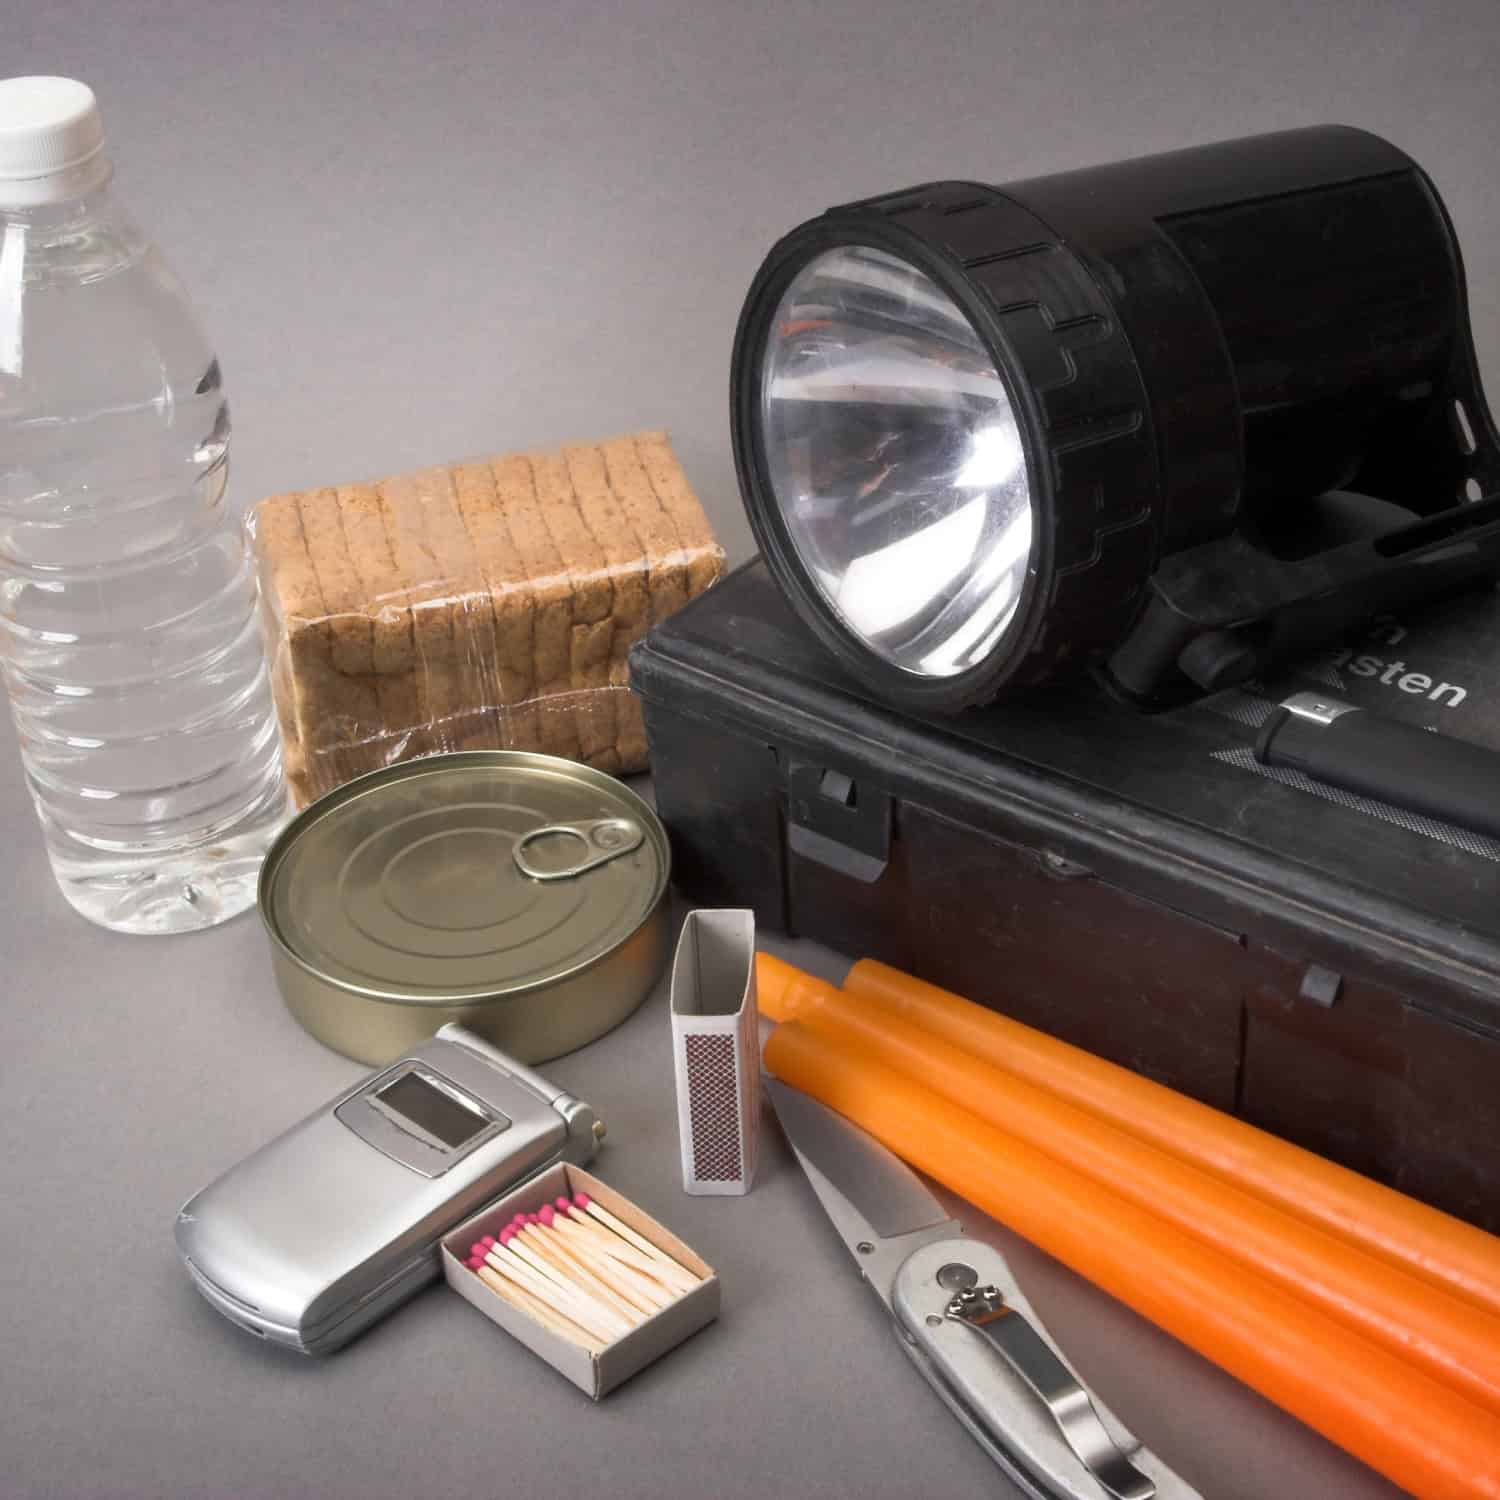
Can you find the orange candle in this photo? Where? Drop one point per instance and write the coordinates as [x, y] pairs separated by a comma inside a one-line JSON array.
[[1413, 1429], [1442, 1334], [1422, 1240]]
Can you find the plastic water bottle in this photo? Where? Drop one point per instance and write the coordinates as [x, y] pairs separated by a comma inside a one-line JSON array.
[[127, 600]]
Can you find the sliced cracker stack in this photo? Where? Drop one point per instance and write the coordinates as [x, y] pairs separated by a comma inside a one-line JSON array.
[[481, 605]]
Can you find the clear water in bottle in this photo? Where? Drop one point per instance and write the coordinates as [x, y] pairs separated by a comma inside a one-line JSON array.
[[128, 628]]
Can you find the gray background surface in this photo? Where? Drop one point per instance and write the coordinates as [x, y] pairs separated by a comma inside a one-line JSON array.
[[418, 232]]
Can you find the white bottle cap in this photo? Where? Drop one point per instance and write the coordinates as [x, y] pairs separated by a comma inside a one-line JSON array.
[[51, 141]]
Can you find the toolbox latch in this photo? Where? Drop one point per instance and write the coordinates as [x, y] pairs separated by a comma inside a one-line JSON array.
[[837, 821]]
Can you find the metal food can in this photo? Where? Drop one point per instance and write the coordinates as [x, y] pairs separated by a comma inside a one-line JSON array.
[[519, 894]]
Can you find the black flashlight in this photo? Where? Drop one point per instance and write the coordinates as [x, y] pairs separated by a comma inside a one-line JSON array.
[[1178, 418]]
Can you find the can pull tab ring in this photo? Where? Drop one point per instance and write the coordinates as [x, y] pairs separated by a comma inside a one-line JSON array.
[[597, 842]]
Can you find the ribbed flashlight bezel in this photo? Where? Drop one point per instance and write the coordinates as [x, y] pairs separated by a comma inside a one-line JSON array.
[[786, 259]]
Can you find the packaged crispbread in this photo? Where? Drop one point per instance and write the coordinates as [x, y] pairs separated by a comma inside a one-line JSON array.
[[488, 604]]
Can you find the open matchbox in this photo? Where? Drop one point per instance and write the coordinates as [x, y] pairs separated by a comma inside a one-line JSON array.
[[594, 1374]]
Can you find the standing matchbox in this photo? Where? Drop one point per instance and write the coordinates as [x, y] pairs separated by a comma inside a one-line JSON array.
[[595, 1374], [716, 1051]]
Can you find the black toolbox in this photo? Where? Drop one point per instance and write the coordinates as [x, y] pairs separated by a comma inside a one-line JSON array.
[[1322, 965]]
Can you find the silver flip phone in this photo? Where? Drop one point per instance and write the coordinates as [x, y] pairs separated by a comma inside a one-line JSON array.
[[324, 1230]]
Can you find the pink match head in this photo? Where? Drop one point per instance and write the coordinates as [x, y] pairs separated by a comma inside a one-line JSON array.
[[519, 1219], [547, 1215], [507, 1234], [533, 1219], [563, 1204], [582, 1200], [477, 1248], [474, 1262], [487, 1241]]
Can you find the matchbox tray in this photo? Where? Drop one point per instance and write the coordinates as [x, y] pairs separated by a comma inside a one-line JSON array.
[[594, 1374]]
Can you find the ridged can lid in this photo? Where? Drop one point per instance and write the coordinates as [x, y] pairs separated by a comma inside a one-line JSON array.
[[464, 878]]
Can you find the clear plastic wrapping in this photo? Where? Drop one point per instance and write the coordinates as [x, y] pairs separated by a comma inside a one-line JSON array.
[[489, 604]]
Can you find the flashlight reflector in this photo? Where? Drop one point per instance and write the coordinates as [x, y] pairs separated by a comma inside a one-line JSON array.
[[895, 460]]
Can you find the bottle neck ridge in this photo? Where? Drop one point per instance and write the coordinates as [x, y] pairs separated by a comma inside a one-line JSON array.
[[44, 195]]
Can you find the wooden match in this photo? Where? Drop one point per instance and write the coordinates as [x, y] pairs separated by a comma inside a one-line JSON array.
[[602, 1215], [579, 1271], [551, 1248]]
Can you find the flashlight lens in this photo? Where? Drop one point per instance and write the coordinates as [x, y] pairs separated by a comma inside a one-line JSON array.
[[894, 458]]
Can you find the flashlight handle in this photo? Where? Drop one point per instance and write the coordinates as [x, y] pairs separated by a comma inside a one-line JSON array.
[[1360, 751]]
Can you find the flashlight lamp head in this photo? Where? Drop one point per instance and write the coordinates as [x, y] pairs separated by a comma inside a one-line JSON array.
[[918, 431], [1174, 418]]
